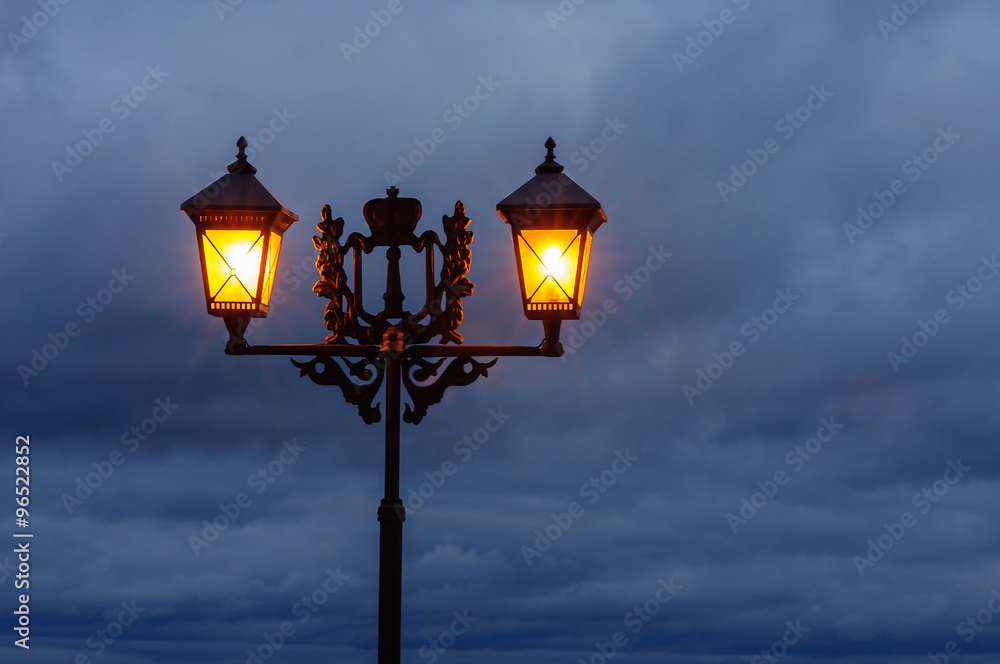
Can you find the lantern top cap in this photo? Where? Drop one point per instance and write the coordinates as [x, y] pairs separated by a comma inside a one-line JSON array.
[[241, 166], [550, 165], [550, 188], [239, 189]]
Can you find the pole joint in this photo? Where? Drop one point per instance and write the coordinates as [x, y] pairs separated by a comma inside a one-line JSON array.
[[391, 509], [393, 340]]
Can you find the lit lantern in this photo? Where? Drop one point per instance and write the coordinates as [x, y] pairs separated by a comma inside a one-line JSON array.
[[240, 225], [552, 221]]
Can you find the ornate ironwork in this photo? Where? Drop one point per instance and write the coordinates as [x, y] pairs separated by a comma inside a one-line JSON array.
[[332, 282], [392, 221], [327, 371], [454, 285], [417, 371]]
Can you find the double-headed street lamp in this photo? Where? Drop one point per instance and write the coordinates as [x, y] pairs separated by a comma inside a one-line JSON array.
[[240, 225]]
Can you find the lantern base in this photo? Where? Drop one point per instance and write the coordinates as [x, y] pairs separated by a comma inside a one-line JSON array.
[[236, 324], [551, 343]]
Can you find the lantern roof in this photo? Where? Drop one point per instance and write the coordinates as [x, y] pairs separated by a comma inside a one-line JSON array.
[[239, 189], [549, 189]]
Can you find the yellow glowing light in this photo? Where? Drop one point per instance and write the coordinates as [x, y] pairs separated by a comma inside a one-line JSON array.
[[243, 264], [557, 264], [232, 259], [549, 265]]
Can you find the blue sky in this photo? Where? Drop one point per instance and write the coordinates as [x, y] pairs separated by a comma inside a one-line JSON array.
[[772, 436]]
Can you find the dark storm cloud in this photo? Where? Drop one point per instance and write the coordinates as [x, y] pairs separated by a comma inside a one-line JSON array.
[[186, 515]]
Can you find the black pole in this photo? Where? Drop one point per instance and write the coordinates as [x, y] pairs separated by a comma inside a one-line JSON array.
[[390, 516]]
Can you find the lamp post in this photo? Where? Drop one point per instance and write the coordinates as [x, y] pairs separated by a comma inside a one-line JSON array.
[[240, 225]]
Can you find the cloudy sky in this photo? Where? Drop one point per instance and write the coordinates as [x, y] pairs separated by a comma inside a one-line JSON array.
[[772, 437]]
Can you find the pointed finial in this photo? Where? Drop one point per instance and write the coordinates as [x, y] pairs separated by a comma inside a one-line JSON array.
[[549, 165], [241, 166]]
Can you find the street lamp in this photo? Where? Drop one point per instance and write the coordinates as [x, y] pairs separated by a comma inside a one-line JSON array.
[[240, 224], [552, 222]]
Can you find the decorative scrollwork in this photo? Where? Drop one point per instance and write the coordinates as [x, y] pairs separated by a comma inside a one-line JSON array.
[[327, 371], [444, 313], [332, 282], [454, 285], [458, 372], [392, 221]]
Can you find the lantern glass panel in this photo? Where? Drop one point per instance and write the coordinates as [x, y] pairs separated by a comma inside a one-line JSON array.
[[587, 237], [549, 261], [274, 245], [232, 262]]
